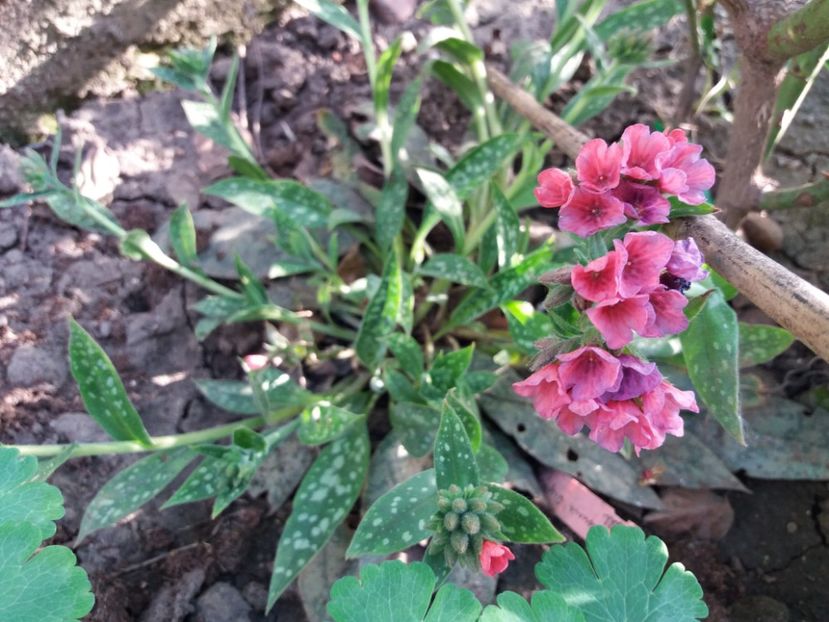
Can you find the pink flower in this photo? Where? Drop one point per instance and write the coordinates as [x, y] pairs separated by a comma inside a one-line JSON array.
[[589, 372], [685, 174], [599, 166], [643, 203], [494, 558], [676, 136], [662, 406], [555, 187], [545, 390], [686, 261], [571, 422], [668, 316], [599, 279], [617, 318], [588, 212], [641, 148], [648, 252], [638, 377], [621, 420]]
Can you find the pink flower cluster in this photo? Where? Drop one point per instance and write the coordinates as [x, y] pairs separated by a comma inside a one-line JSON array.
[[615, 397], [637, 287], [628, 179]]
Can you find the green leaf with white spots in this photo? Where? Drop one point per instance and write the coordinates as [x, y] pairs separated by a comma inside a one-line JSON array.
[[398, 519], [415, 425], [391, 211], [507, 228], [324, 422], [382, 80], [381, 315], [504, 286], [206, 119], [275, 392], [400, 592], [480, 163], [183, 235], [405, 115], [760, 343], [400, 387], [24, 499], [621, 577], [449, 367], [286, 197], [408, 353], [324, 499], [710, 347], [230, 395], [466, 409], [101, 388], [254, 290], [133, 487], [521, 521], [492, 466], [455, 268], [526, 325], [445, 201], [43, 585], [454, 461], [637, 18]]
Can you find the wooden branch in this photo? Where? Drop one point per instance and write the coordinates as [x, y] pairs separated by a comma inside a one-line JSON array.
[[794, 303], [800, 32]]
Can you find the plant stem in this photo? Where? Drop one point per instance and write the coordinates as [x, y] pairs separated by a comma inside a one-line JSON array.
[[800, 31], [477, 232], [807, 195]]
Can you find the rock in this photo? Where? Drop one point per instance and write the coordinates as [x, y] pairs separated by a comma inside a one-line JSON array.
[[31, 365], [759, 609], [78, 428], [8, 232], [762, 232], [223, 603], [10, 178], [393, 11], [256, 594], [172, 602]]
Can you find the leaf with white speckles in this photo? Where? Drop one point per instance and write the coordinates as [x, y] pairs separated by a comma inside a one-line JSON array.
[[415, 425], [760, 343], [454, 461], [230, 395], [455, 268], [324, 499], [521, 521], [101, 388], [449, 367], [324, 422], [710, 347], [133, 487], [380, 316], [398, 519]]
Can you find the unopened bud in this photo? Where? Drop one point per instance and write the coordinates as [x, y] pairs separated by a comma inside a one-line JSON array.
[[459, 505], [559, 276], [557, 296], [450, 521], [459, 542], [471, 523]]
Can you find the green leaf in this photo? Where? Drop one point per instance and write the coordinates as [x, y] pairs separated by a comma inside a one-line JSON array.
[[324, 422], [183, 235], [325, 496], [710, 347], [639, 17], [448, 368], [492, 466], [274, 391], [23, 498], [593, 99], [463, 86], [480, 163], [47, 586], [444, 200], [415, 425], [546, 605], [299, 204], [462, 50], [466, 410], [503, 287], [206, 119], [526, 326], [74, 208], [405, 115], [400, 387], [400, 592], [398, 519], [230, 395], [391, 212], [334, 14], [454, 460], [507, 228], [455, 268], [682, 210], [254, 290], [760, 343], [622, 577], [226, 102], [133, 487], [521, 521], [101, 388], [408, 353], [380, 316], [382, 80]]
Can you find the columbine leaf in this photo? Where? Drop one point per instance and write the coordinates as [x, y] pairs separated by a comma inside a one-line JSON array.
[[47, 586], [400, 592], [454, 460], [455, 268], [25, 500], [620, 578], [381, 315], [545, 605], [327, 493], [183, 235], [415, 425], [334, 14], [133, 487], [391, 212], [445, 201], [101, 388], [710, 347], [324, 422], [398, 519], [521, 521], [760, 343]]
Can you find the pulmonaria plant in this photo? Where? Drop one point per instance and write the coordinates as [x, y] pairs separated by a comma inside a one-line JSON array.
[[635, 289]]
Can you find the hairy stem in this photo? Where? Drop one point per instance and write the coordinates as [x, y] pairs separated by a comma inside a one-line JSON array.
[[800, 32], [807, 195]]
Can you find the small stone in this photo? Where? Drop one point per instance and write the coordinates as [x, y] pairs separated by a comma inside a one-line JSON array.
[[78, 428], [8, 235], [30, 365], [222, 603], [10, 178], [791, 527], [762, 232]]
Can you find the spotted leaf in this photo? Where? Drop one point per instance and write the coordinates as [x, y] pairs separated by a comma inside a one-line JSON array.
[[454, 460], [521, 521]]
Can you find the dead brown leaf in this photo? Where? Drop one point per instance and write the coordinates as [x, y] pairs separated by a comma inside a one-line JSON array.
[[701, 513]]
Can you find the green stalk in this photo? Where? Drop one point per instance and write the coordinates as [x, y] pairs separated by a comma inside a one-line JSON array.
[[800, 31], [477, 232]]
